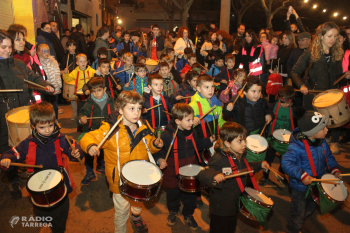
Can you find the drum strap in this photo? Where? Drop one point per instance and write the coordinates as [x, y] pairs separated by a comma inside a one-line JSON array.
[[187, 98], [276, 115], [76, 83], [152, 110], [92, 113], [325, 155], [228, 75], [309, 155], [252, 178], [111, 87], [4, 95], [172, 81], [135, 85], [202, 121]]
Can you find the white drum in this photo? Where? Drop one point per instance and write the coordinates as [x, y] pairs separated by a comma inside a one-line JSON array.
[[332, 104], [188, 178], [281, 135], [256, 148], [140, 180], [18, 125], [68, 90]]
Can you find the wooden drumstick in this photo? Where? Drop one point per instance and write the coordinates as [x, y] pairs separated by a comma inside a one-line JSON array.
[[34, 84], [310, 91], [234, 175], [94, 118], [153, 107], [322, 180], [347, 174], [182, 97], [67, 61], [239, 94], [167, 113], [166, 90], [337, 81], [109, 133], [132, 77], [207, 112], [121, 71], [262, 131], [172, 142], [116, 84], [211, 133], [25, 165], [11, 90], [280, 175], [73, 149]]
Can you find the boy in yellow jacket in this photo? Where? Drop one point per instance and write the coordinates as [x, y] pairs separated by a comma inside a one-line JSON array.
[[126, 143]]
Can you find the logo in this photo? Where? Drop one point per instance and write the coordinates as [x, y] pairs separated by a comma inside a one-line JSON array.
[[14, 220], [37, 221]]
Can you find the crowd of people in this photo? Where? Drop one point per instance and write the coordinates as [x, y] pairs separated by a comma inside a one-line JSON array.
[[174, 96]]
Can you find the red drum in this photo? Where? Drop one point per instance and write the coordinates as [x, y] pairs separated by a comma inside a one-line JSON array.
[[140, 180], [46, 187], [208, 153], [81, 96], [188, 178]]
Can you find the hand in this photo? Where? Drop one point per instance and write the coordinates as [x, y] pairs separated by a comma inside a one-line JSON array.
[[295, 14], [87, 92], [127, 85], [219, 177], [205, 53], [229, 107], [213, 138], [226, 92], [50, 89], [76, 153], [115, 50], [206, 69], [224, 81], [135, 53], [119, 87], [268, 118], [268, 62], [65, 71], [307, 180], [265, 165], [5, 163], [179, 97], [32, 52], [83, 120], [337, 175], [94, 151], [162, 163], [144, 110], [347, 74], [196, 121], [158, 142], [304, 90]]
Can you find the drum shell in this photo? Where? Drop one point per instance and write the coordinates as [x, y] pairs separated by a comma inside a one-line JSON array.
[[17, 132], [245, 212], [68, 90], [82, 97], [150, 64], [189, 184]]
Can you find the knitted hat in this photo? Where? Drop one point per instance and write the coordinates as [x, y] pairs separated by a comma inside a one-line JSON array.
[[304, 35], [311, 123]]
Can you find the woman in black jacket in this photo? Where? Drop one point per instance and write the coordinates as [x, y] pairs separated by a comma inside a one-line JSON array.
[[201, 33]]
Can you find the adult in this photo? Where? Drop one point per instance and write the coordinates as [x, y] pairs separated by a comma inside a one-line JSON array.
[[201, 35], [64, 39], [296, 29], [156, 45], [324, 63], [227, 41], [44, 36], [54, 28], [183, 42], [59, 50], [241, 31], [343, 38], [79, 39], [347, 29], [213, 27], [12, 75], [101, 41]]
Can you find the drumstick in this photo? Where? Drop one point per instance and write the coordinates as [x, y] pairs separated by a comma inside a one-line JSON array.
[[310, 91], [207, 112], [153, 107], [116, 84], [109, 133], [321, 180], [167, 113], [132, 77], [25, 165], [34, 84], [262, 131], [347, 174], [84, 78], [73, 149], [67, 60], [211, 133], [110, 49], [234, 175], [121, 71], [94, 118], [172, 142], [182, 97], [336, 81], [11, 90], [280, 175], [238, 94], [166, 90]]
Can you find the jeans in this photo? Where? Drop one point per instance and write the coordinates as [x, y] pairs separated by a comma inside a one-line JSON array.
[[173, 198], [301, 208]]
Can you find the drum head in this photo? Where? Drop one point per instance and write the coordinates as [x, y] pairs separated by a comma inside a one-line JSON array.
[[44, 180], [328, 98], [337, 192], [256, 143], [282, 135], [190, 170], [259, 196], [19, 115], [151, 62], [141, 172], [80, 92]]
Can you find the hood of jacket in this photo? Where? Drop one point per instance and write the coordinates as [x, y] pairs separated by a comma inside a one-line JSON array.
[[47, 35]]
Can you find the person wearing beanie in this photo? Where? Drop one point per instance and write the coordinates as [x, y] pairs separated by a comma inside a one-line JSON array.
[[308, 156]]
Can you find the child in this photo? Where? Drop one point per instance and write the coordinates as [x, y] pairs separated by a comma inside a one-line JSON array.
[[225, 194], [225, 75], [141, 59], [307, 157], [170, 60], [187, 89], [170, 86], [138, 81], [127, 69], [48, 147], [120, 62], [184, 152], [203, 101], [131, 142], [99, 104], [52, 73], [156, 117], [217, 66], [156, 69], [210, 58], [71, 46], [101, 53], [170, 52], [180, 64], [126, 44], [135, 39], [234, 85], [191, 58], [283, 120]]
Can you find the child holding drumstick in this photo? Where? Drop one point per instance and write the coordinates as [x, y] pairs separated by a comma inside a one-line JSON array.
[[224, 195], [133, 140]]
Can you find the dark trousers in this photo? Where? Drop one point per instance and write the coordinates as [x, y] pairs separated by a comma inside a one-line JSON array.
[[270, 156], [223, 224], [53, 99], [300, 209], [89, 161], [59, 215], [173, 198]]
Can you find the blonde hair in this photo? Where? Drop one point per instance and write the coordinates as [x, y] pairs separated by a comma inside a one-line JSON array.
[[317, 46], [127, 55], [291, 38], [80, 55]]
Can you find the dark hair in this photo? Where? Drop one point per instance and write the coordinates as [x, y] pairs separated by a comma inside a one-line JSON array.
[[229, 56], [140, 58], [14, 33], [138, 66], [118, 30], [200, 27], [180, 111], [190, 75], [78, 27], [162, 56], [188, 51], [204, 78], [43, 24], [102, 50], [241, 24], [286, 92], [41, 113], [126, 33], [163, 64], [154, 76], [96, 82], [5, 35], [196, 67], [72, 29], [103, 61], [66, 30], [191, 55], [155, 26], [267, 35], [121, 52], [215, 42], [346, 44], [18, 27], [238, 71], [172, 34], [71, 42], [255, 40], [231, 130], [251, 80], [169, 50], [102, 31], [219, 57]]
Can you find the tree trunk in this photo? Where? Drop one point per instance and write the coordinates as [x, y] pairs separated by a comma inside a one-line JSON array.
[[184, 15], [239, 18], [269, 18]]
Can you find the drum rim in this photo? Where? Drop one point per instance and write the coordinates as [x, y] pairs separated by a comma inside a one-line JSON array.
[[279, 141], [160, 127], [327, 195], [246, 214], [190, 190], [247, 195], [21, 125], [54, 203], [190, 165], [322, 93], [48, 191], [255, 152]]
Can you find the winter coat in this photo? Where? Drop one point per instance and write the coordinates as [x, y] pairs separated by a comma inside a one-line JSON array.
[[246, 59], [109, 84], [64, 41], [180, 64], [207, 46], [169, 85], [185, 149], [99, 43], [52, 72], [160, 117], [79, 39], [270, 50], [161, 44], [83, 76], [224, 74], [180, 46], [125, 76], [283, 55], [137, 84], [130, 147], [71, 63], [120, 46], [293, 58], [184, 90], [295, 162], [214, 70], [46, 38], [176, 75], [117, 39], [59, 50]]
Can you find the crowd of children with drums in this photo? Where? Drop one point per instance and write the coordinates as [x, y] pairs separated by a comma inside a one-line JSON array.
[[168, 120]]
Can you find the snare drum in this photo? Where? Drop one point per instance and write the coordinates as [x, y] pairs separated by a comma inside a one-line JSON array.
[[208, 153], [256, 148], [158, 131], [81, 96], [188, 178], [151, 64], [140, 180], [333, 105], [68, 90], [327, 195], [280, 140], [18, 125], [46, 187], [253, 201]]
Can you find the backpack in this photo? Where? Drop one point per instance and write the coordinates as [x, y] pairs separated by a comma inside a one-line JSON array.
[[274, 83]]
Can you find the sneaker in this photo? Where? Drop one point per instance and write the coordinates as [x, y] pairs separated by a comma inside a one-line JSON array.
[[138, 224], [88, 178], [100, 170], [189, 220], [334, 148], [15, 191], [171, 218], [199, 202], [263, 181], [60, 111], [74, 117]]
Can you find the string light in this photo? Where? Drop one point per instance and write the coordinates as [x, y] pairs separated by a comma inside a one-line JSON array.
[[345, 17], [315, 6], [335, 14], [324, 10], [306, 1], [119, 21]]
